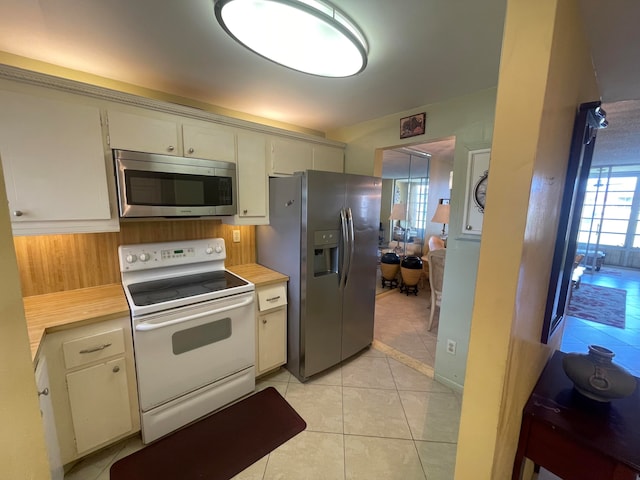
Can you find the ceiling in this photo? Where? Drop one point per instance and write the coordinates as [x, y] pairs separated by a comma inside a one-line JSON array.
[[420, 52]]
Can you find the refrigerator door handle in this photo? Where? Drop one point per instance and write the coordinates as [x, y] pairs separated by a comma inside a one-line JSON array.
[[351, 241], [343, 248]]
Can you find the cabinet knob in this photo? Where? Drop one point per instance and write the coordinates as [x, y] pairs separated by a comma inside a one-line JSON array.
[[17, 213], [245, 211], [191, 150], [116, 369], [264, 320], [44, 392], [469, 227], [171, 148]]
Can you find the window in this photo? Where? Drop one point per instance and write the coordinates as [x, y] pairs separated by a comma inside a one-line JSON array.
[[610, 211]]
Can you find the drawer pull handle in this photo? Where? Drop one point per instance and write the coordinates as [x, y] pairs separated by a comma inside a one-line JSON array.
[[44, 392], [273, 299], [95, 349]]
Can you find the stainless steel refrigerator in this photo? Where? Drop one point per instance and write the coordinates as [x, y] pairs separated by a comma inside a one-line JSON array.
[[323, 234]]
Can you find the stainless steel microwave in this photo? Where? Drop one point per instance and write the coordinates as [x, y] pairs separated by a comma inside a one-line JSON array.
[[151, 185]]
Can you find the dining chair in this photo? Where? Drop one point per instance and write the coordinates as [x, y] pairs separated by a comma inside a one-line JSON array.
[[436, 259]]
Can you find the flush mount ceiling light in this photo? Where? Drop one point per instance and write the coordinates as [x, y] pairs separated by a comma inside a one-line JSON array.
[[310, 36]]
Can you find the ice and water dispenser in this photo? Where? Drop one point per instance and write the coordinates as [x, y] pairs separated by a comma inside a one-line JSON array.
[[325, 252]]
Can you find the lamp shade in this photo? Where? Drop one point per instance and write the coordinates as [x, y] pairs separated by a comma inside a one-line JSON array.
[[398, 212], [442, 214]]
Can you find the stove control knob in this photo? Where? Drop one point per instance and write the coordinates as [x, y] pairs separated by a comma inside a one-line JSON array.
[[218, 248], [131, 258], [144, 257], [209, 251]]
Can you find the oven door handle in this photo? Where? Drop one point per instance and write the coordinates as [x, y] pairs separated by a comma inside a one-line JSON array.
[[145, 327]]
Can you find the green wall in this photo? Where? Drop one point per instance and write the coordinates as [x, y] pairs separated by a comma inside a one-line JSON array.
[[470, 120]]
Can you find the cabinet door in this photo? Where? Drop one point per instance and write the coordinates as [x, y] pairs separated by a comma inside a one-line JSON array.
[[99, 401], [212, 142], [328, 159], [48, 420], [53, 159], [272, 339], [128, 131], [289, 156], [252, 175]]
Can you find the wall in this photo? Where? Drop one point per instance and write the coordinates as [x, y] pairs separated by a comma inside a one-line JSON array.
[[54, 263], [22, 448], [470, 120], [545, 73]]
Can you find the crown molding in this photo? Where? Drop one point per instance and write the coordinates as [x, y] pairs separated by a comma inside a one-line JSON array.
[[16, 74]]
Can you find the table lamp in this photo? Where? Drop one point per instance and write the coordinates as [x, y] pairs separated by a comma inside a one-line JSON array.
[[441, 216]]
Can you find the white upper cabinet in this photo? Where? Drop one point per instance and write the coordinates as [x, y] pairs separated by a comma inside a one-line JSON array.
[[153, 132], [252, 175], [54, 164], [141, 133], [209, 141], [328, 159], [253, 183], [289, 156]]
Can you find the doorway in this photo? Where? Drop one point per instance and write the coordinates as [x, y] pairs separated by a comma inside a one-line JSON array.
[[417, 176]]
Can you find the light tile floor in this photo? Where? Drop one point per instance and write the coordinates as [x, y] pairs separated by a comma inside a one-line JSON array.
[[371, 417], [401, 323]]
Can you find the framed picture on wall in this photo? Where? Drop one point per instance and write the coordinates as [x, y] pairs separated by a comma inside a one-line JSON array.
[[413, 125], [561, 282]]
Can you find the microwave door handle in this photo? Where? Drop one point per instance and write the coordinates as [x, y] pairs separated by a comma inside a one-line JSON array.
[[145, 327]]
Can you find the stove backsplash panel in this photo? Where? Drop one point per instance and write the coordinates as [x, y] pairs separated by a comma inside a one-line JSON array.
[[55, 263]]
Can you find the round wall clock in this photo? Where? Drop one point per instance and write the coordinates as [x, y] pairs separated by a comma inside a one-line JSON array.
[[480, 191]]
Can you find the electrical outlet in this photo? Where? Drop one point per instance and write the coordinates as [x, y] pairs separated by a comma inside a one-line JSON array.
[[236, 236], [451, 347]]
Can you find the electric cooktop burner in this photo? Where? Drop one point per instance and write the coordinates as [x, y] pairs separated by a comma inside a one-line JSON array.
[[159, 291]]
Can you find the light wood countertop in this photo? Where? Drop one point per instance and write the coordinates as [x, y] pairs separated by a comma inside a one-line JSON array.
[[60, 310], [258, 274]]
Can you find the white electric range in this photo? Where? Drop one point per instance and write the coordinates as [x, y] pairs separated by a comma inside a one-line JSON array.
[[193, 326]]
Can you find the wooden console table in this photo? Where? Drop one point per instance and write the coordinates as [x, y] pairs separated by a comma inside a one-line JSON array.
[[577, 438]]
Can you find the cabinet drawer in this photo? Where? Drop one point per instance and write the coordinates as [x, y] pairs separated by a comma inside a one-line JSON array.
[[95, 347], [272, 297]]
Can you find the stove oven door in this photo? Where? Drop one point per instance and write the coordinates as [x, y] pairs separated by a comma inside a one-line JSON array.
[[186, 348]]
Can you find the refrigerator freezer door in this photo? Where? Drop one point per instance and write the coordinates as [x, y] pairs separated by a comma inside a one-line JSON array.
[[358, 306], [321, 310]]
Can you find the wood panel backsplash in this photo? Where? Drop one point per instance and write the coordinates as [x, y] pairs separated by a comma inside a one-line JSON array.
[[55, 263]]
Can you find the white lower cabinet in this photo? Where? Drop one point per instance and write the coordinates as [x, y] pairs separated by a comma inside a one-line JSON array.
[[48, 420], [99, 403], [271, 327], [93, 386]]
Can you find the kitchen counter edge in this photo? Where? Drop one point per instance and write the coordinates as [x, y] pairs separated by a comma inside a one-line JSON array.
[[52, 312]]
